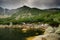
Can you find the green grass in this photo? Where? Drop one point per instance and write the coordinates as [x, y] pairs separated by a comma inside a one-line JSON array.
[[50, 17]]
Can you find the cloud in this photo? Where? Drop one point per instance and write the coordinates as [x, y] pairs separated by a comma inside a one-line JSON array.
[[42, 4], [11, 4], [1, 2], [57, 2]]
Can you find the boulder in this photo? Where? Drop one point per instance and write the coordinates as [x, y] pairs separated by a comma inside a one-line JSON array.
[[58, 30], [51, 36], [49, 30]]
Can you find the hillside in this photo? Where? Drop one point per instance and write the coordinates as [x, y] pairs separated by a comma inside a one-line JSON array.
[[25, 10], [32, 15]]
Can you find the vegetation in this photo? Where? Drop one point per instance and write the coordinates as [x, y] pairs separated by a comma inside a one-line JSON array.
[[29, 15], [52, 18]]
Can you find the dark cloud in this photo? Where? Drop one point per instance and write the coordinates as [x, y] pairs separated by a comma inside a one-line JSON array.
[[1, 2], [32, 3], [11, 3], [58, 2]]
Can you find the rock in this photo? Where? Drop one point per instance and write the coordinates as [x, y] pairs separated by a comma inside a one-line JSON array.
[[49, 30], [58, 30], [40, 37], [51, 36]]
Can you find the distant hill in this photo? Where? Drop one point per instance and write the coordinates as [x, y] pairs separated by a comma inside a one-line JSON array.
[[6, 11], [1, 10], [53, 9]]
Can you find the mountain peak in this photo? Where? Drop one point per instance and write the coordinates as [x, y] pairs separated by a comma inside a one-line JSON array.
[[25, 6]]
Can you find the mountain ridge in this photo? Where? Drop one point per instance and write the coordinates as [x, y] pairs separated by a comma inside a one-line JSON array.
[[12, 11]]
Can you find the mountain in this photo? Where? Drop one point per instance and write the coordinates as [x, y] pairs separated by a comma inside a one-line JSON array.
[[24, 10], [27, 11], [53, 9], [7, 11], [27, 14], [1, 10]]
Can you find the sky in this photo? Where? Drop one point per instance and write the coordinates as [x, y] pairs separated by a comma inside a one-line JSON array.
[[41, 4]]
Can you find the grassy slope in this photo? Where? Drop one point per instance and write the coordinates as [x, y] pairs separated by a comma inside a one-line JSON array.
[[30, 15]]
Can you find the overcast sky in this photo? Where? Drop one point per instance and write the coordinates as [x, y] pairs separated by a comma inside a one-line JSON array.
[[13, 4]]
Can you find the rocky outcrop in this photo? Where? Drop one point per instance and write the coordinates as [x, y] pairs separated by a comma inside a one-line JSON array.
[[51, 36]]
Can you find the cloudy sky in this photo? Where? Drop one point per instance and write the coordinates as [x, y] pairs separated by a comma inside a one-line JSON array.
[[42, 4]]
